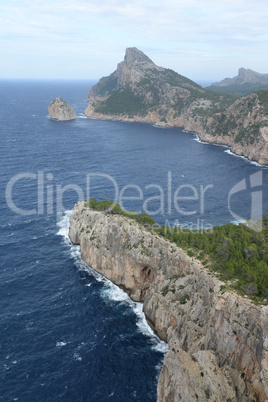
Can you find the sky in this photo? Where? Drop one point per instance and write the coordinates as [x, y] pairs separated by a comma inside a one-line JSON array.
[[85, 39]]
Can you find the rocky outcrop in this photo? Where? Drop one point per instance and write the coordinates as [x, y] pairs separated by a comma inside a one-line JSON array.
[[61, 110], [245, 76], [140, 91], [218, 341]]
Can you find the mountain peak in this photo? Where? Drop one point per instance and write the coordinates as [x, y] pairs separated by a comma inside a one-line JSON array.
[[134, 55]]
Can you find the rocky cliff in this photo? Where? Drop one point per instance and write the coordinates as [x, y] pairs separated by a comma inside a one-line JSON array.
[[218, 341], [61, 110], [140, 91]]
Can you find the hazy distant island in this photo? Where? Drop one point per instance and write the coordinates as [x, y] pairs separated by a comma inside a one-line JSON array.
[[140, 91], [245, 82], [60, 110]]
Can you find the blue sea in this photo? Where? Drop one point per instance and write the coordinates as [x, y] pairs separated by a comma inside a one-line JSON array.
[[67, 333]]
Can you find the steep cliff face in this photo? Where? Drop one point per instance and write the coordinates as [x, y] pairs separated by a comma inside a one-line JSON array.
[[61, 110], [243, 127], [140, 91], [218, 341]]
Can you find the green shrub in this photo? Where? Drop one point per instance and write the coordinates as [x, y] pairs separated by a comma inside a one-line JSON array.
[[165, 290]]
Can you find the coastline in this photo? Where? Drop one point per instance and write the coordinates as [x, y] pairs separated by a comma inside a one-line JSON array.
[[206, 329], [254, 154]]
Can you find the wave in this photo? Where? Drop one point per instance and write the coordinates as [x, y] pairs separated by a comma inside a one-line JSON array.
[[208, 143], [197, 139], [110, 291], [145, 329], [238, 222], [64, 226], [60, 344], [228, 151], [114, 293], [163, 127]]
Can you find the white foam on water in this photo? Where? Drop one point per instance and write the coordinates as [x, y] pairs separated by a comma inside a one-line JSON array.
[[114, 292], [198, 139], [238, 222], [154, 125], [60, 344], [81, 116], [77, 357], [145, 329], [228, 151], [64, 226]]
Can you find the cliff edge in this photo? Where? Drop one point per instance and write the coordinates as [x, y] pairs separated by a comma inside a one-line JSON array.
[[61, 110], [218, 341]]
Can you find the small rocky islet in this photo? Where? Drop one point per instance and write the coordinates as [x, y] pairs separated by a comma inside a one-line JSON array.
[[60, 110]]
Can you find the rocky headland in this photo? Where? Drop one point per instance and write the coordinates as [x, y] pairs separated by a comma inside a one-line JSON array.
[[218, 340], [61, 110], [140, 91]]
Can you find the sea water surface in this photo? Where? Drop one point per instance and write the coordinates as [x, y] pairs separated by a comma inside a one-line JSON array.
[[66, 333]]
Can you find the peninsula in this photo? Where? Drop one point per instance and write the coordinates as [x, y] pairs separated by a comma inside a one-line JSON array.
[[218, 340], [140, 91]]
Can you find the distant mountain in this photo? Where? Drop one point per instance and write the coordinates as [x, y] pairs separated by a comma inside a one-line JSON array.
[[245, 76], [140, 91], [246, 82]]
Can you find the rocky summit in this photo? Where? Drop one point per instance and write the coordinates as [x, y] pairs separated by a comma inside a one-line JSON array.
[[140, 91], [61, 110], [218, 340]]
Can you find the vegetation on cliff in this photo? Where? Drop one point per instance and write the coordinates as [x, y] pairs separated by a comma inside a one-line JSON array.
[[237, 253], [115, 209], [124, 101]]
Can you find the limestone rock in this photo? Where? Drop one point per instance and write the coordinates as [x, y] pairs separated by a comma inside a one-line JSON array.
[[61, 110], [218, 341]]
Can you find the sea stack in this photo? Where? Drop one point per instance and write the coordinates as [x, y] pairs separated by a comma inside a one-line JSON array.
[[61, 110]]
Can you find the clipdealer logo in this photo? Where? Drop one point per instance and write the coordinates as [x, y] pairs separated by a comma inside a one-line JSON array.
[[187, 200], [255, 185], [153, 199]]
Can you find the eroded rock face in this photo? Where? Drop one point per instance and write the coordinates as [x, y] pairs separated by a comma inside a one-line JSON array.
[[218, 341], [61, 110]]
